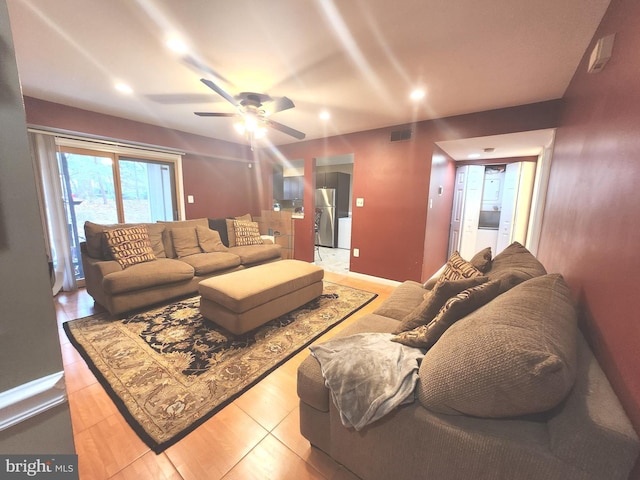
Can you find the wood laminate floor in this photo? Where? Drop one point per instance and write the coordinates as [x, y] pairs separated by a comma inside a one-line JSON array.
[[255, 437]]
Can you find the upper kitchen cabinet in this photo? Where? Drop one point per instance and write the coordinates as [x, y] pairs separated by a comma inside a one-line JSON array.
[[293, 188], [332, 180]]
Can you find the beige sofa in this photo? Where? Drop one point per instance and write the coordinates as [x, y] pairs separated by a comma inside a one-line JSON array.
[[179, 265], [509, 391]]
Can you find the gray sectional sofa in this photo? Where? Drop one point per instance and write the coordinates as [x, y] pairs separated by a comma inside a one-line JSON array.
[[181, 261], [510, 390]]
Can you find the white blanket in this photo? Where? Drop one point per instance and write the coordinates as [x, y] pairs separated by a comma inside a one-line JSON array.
[[368, 375]]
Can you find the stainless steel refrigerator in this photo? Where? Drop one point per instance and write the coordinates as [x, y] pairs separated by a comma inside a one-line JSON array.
[[325, 217]]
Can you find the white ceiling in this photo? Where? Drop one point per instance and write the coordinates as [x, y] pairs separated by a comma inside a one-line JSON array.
[[358, 59]]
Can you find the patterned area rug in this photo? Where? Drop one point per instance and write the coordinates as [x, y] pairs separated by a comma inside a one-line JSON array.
[[168, 370]]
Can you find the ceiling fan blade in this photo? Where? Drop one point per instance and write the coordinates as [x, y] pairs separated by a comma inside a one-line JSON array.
[[215, 114], [282, 103], [284, 129], [180, 98], [220, 91], [201, 67]]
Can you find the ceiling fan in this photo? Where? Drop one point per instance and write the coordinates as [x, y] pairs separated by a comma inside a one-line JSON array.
[[254, 109]]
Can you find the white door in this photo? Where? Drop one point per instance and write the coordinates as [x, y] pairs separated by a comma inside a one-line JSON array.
[[471, 210], [508, 210], [456, 213]]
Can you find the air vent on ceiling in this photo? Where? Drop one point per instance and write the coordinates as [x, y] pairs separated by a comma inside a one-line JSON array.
[[400, 135]]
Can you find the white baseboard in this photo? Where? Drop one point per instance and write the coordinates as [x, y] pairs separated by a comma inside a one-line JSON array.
[[30, 399], [371, 278]]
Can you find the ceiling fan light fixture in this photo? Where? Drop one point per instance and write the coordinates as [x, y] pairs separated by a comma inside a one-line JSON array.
[[239, 127], [417, 94]]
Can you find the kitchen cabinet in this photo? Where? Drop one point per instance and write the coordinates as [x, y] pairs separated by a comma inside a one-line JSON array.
[[332, 180], [293, 188]]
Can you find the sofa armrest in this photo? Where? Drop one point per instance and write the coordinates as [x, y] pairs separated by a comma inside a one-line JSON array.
[[591, 429], [95, 270]]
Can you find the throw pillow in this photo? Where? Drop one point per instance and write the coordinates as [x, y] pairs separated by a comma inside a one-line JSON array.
[[247, 233], [434, 300], [185, 241], [516, 355], [231, 232], [129, 246], [453, 310], [457, 268], [482, 260], [209, 240]]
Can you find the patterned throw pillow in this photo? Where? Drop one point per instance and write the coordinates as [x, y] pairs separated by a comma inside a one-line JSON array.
[[457, 268], [434, 301], [247, 233], [130, 246], [453, 310]]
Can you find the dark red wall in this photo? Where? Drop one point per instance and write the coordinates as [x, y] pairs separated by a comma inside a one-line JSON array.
[[216, 173], [396, 237], [591, 228]]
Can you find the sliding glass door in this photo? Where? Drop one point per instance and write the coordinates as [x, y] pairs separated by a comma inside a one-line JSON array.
[[105, 188]]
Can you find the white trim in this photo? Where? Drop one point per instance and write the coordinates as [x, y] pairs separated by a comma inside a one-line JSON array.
[[371, 278], [120, 149], [30, 399], [102, 143]]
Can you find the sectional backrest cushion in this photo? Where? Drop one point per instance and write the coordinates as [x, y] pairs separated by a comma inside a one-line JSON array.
[[514, 265], [168, 238], [514, 356]]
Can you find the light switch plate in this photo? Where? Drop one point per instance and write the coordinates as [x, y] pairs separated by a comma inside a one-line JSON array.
[[359, 202], [190, 199]]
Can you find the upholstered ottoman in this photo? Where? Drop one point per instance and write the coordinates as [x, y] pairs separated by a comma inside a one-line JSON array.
[[241, 301]]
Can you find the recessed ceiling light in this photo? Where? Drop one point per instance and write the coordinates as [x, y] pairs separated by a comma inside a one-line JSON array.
[[324, 115], [417, 94], [123, 88], [474, 155], [176, 45]]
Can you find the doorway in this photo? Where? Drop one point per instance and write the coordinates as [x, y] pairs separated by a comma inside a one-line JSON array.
[[488, 179], [491, 207]]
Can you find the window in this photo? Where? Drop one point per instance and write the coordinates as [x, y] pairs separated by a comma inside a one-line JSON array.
[[117, 186]]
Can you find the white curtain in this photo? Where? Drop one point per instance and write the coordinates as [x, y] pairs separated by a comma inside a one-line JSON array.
[[54, 218]]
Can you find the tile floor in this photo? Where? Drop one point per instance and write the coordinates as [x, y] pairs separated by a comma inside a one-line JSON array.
[[333, 259], [255, 437]]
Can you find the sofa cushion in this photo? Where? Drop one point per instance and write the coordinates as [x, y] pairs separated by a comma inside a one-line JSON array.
[[97, 244], [210, 240], [168, 239], [147, 275], [434, 300], [130, 245], [514, 265], [404, 298], [456, 307], [185, 241], [257, 253], [246, 233], [514, 356], [210, 262]]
